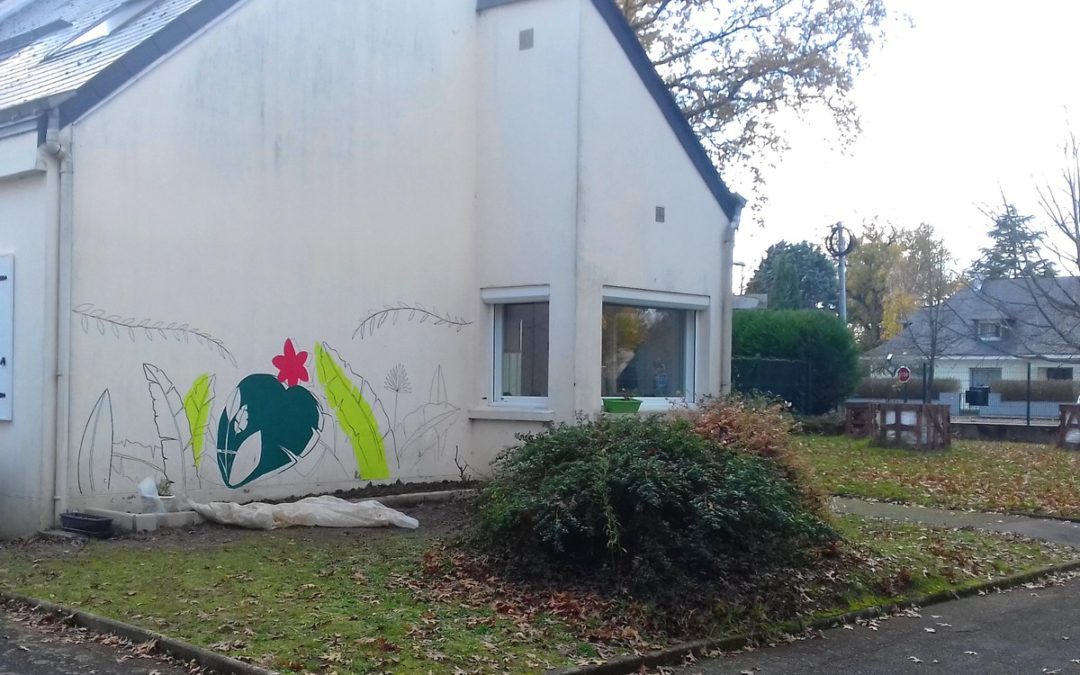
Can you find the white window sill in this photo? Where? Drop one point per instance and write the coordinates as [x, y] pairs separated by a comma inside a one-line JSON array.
[[512, 414]]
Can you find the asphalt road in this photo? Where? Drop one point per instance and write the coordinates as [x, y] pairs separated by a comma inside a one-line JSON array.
[[30, 648], [1026, 630]]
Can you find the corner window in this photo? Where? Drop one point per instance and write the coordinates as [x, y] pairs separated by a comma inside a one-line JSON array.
[[647, 352]]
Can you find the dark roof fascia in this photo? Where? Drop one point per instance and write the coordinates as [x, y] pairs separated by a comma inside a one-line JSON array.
[[141, 57], [729, 201]]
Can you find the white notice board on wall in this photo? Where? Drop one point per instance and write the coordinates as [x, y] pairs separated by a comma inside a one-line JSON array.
[[7, 333]]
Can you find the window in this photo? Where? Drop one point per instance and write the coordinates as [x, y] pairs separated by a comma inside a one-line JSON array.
[[984, 377], [1059, 373], [989, 330], [110, 24], [520, 344], [647, 352]]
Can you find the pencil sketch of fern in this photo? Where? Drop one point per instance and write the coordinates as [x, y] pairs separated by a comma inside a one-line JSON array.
[[148, 329], [404, 311]]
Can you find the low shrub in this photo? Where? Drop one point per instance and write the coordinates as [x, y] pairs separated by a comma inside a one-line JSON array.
[[1062, 391], [657, 506], [831, 424]]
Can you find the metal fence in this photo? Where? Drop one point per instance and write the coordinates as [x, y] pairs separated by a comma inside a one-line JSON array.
[[1018, 391], [775, 378]]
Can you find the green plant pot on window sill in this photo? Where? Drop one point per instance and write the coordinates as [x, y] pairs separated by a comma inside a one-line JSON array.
[[621, 405]]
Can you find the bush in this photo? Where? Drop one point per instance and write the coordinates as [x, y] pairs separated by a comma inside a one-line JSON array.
[[656, 505], [829, 424], [814, 336], [1063, 391], [887, 387]]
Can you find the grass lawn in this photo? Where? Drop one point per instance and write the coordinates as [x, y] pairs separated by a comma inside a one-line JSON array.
[[984, 476], [307, 600]]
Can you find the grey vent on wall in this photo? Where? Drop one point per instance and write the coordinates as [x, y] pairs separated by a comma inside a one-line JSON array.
[[525, 39], [661, 215]]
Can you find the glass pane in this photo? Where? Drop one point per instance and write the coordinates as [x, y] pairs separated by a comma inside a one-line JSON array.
[[644, 351], [525, 349], [984, 377]]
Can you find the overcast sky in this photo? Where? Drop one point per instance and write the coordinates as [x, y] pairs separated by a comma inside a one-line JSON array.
[[974, 98]]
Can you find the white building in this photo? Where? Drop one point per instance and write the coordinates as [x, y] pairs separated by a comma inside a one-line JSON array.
[[267, 248]]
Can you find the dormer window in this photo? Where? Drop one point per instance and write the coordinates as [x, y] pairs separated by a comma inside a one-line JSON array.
[[989, 330], [112, 22]]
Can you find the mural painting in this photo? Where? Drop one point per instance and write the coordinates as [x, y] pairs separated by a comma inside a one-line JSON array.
[[294, 419]]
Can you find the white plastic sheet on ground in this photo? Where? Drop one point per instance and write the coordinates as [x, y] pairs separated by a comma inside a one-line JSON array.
[[309, 512]]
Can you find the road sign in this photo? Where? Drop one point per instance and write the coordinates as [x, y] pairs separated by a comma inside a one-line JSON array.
[[903, 374]]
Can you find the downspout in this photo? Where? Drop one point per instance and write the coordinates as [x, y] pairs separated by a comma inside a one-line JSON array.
[[727, 299], [57, 321]]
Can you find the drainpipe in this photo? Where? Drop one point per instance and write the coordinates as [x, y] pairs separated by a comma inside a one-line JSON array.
[[727, 299], [57, 319]]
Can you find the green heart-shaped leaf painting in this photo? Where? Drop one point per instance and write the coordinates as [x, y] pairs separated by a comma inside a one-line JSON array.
[[266, 427]]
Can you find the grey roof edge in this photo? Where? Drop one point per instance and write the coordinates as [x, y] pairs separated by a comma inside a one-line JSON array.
[[731, 202], [139, 58]]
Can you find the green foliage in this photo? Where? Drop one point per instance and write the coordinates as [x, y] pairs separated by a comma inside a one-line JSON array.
[[784, 291], [816, 337], [889, 387], [815, 282], [1062, 391], [197, 404], [648, 504]]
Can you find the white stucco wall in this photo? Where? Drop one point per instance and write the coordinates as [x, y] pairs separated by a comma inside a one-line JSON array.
[[630, 163], [282, 176], [289, 172], [25, 482]]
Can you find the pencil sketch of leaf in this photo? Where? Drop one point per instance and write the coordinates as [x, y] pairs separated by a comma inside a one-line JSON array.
[[354, 415], [95, 448], [169, 415], [376, 318], [149, 329], [197, 405]]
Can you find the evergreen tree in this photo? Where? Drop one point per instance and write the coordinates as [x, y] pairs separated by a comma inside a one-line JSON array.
[[1015, 252], [814, 272], [784, 293]]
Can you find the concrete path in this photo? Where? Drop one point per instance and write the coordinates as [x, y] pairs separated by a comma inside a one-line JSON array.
[[51, 649], [1027, 630], [1061, 532], [1020, 631]]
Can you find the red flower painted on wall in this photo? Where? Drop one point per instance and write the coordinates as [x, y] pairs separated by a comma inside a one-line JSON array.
[[290, 365]]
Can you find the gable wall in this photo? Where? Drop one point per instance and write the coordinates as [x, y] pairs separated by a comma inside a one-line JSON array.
[[631, 162]]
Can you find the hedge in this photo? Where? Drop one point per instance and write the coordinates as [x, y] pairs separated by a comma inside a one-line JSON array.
[[1062, 391], [814, 336], [888, 387]]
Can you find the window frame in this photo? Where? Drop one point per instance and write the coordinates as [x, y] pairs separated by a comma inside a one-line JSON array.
[[997, 327], [695, 307], [498, 299]]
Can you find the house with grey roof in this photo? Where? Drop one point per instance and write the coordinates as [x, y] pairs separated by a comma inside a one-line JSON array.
[[268, 248], [982, 335]]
